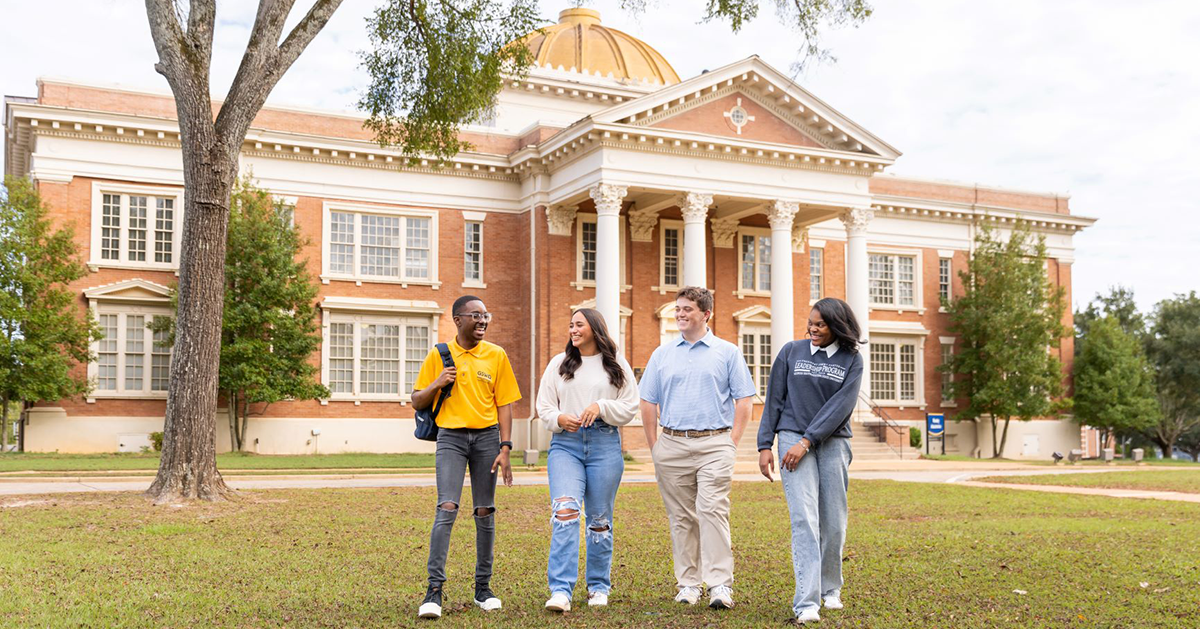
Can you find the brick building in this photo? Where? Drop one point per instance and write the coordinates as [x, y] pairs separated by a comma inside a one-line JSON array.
[[602, 179]]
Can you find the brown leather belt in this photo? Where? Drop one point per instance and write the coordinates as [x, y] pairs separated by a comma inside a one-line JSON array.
[[693, 434]]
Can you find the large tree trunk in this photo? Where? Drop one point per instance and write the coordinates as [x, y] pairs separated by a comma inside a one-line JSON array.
[[4, 427], [188, 469], [22, 422]]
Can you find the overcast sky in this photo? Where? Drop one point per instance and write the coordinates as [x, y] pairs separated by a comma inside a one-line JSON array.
[[1098, 99]]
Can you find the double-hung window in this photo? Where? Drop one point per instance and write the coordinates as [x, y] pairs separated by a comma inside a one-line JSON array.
[[944, 276], [894, 370], [473, 253], [893, 279], [380, 245], [947, 377], [131, 358], [754, 256], [136, 226], [756, 349], [587, 252], [375, 357], [670, 253], [816, 273]]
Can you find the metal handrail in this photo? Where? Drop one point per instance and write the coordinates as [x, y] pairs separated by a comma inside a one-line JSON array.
[[885, 423]]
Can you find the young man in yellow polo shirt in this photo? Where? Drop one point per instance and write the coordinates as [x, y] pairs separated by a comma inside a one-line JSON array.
[[474, 426]]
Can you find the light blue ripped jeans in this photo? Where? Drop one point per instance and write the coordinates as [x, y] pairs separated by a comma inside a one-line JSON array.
[[584, 467], [816, 499]]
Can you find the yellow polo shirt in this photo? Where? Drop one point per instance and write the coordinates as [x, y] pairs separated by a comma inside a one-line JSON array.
[[485, 382]]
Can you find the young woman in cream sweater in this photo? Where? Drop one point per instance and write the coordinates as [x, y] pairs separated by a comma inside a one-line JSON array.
[[587, 392]]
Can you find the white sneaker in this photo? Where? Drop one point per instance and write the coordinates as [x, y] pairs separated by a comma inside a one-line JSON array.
[[807, 616], [429, 610], [559, 602], [688, 594], [597, 599], [833, 601], [720, 597]]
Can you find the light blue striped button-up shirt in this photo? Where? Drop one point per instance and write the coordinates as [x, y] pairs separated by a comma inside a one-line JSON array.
[[695, 384]]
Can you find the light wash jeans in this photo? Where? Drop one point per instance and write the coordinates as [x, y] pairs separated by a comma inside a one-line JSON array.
[[584, 467], [816, 499]]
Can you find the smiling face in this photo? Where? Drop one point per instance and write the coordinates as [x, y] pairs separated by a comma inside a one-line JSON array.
[[468, 326], [689, 317], [818, 331], [582, 336]]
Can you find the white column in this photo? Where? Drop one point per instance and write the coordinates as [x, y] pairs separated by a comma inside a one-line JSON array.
[[694, 207], [608, 254], [781, 215], [856, 221]]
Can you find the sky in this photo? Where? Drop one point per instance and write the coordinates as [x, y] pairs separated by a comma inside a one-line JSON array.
[[1097, 99]]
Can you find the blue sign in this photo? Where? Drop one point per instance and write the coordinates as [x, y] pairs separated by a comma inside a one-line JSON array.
[[935, 424]]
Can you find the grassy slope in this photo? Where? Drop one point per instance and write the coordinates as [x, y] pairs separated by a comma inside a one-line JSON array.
[[1187, 481], [917, 556]]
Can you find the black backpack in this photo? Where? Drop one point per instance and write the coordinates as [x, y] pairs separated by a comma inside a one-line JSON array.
[[427, 428]]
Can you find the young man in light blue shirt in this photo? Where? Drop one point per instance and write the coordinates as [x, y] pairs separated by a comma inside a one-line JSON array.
[[698, 388]]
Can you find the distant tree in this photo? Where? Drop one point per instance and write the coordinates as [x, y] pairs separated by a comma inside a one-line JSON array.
[[1174, 350], [43, 334], [1118, 303], [270, 327], [1008, 319], [1114, 383], [434, 65], [1190, 442]]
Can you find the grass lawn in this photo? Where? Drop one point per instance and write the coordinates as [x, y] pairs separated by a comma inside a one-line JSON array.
[[1087, 462], [917, 556], [1187, 481], [38, 462]]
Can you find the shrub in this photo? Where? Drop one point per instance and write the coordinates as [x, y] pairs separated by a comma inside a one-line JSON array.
[[156, 438], [914, 437]]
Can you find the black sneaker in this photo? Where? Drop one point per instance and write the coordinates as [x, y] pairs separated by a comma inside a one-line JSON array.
[[431, 607], [485, 599]]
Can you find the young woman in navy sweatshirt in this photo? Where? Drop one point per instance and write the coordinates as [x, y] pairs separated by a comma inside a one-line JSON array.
[[812, 392]]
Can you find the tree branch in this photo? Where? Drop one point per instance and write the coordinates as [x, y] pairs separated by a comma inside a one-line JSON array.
[[168, 37], [265, 62], [202, 16]]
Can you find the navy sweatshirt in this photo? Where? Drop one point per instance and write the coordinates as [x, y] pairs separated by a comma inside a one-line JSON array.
[[812, 394]]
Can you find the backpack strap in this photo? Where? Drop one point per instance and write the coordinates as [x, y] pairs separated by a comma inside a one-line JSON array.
[[447, 361]]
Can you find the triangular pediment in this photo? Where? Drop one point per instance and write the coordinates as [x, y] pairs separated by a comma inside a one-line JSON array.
[[134, 290], [753, 314], [734, 113], [782, 112]]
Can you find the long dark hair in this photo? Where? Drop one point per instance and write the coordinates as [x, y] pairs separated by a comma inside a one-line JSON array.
[[604, 343], [840, 320]]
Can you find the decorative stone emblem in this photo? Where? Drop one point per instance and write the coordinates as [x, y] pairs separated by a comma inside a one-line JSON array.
[[723, 231], [738, 117], [641, 225]]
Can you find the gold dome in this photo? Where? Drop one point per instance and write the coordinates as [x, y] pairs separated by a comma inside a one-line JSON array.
[[578, 42]]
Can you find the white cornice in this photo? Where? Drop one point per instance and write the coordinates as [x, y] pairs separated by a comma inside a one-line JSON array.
[[390, 306], [921, 209]]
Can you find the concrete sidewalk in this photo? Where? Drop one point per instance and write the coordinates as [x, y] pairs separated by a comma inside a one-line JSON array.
[[918, 471]]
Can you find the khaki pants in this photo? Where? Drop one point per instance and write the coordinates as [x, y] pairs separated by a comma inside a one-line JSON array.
[[694, 477]]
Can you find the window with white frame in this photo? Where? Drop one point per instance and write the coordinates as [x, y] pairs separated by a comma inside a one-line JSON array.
[[893, 279], [136, 226], [587, 247], [473, 252], [816, 270], [131, 358], [754, 271], [671, 247], [373, 245], [947, 377], [894, 369], [756, 349], [944, 279], [375, 357]]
